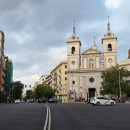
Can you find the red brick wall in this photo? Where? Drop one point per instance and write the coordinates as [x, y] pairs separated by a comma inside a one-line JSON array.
[[2, 58]]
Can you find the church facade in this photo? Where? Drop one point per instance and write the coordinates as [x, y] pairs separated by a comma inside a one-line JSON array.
[[84, 68]]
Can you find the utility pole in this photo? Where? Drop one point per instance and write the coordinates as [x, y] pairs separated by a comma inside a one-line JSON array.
[[119, 85]]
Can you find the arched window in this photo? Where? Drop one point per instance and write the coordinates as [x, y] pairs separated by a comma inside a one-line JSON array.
[[109, 47], [73, 50], [91, 64]]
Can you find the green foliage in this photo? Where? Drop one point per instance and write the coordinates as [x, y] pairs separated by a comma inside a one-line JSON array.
[[17, 87], [110, 84], [29, 94], [43, 90]]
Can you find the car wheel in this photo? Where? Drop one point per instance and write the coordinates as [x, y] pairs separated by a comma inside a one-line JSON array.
[[112, 103], [98, 103]]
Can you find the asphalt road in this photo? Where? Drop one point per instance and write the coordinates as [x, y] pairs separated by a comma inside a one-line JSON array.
[[24, 116], [89, 117], [29, 116]]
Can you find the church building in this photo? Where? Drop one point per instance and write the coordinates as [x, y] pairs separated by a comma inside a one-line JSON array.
[[84, 68]]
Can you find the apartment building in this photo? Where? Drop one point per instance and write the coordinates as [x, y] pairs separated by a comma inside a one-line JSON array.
[[36, 84], [43, 78], [59, 81], [2, 61], [8, 74], [48, 80], [126, 64]]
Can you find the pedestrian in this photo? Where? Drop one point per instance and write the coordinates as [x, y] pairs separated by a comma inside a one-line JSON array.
[[119, 99], [80, 99], [88, 100]]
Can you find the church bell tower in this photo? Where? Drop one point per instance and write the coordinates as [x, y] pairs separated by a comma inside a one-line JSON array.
[[74, 52], [109, 48]]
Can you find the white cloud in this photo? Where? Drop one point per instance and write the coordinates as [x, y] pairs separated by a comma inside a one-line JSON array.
[[57, 54], [112, 4], [26, 79], [36, 32]]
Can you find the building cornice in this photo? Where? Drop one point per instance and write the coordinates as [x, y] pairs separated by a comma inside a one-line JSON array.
[[84, 71], [63, 62]]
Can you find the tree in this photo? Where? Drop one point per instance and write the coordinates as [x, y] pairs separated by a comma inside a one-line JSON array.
[[29, 94], [17, 90], [43, 90], [110, 84]]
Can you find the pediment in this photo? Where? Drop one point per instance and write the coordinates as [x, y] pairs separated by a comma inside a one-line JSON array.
[[91, 51]]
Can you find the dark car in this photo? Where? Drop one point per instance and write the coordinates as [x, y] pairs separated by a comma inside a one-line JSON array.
[[41, 100], [52, 100], [30, 101]]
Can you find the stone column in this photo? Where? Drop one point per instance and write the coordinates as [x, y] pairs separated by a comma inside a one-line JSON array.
[[68, 86], [78, 87], [83, 87]]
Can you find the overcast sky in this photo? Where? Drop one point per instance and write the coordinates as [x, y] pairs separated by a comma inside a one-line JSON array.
[[36, 31]]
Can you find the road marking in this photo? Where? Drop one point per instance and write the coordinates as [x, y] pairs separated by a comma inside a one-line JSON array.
[[49, 124], [48, 118]]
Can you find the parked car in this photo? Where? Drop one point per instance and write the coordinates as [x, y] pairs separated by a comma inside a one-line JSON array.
[[29, 100], [22, 101], [102, 101], [41, 100], [52, 100], [17, 101]]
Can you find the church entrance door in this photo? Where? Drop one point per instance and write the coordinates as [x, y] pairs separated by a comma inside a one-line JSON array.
[[92, 92]]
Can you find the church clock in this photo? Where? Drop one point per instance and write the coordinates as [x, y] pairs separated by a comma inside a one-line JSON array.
[[73, 62]]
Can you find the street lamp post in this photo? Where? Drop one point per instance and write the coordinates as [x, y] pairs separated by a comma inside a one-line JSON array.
[[120, 85]]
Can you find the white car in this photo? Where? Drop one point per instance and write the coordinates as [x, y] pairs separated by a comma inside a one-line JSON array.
[[101, 101], [17, 101]]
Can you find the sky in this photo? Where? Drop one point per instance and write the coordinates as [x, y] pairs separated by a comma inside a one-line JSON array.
[[36, 31]]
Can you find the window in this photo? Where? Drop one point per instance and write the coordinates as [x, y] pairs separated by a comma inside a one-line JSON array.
[[106, 98], [65, 72], [73, 50], [65, 66], [73, 82], [25, 86], [91, 79], [65, 78], [109, 47], [91, 64]]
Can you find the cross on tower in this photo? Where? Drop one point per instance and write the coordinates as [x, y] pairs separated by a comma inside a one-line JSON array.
[[74, 22], [94, 39], [108, 18]]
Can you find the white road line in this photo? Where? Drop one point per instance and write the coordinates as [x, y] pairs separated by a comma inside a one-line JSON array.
[[49, 124], [45, 126], [48, 118]]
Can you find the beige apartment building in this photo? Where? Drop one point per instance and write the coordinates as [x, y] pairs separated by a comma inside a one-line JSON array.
[[59, 81], [48, 80], [126, 64], [43, 78]]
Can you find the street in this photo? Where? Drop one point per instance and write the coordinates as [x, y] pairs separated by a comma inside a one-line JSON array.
[[24, 116], [74, 116]]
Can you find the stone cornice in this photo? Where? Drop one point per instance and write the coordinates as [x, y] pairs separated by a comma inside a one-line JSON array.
[[84, 71]]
